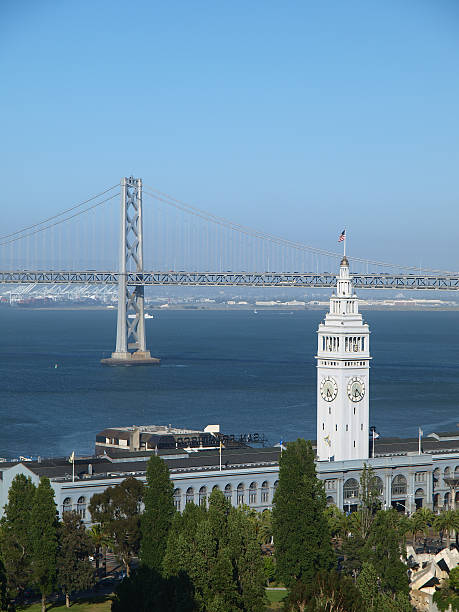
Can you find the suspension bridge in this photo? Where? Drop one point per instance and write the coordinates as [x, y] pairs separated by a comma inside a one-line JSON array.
[[172, 243]]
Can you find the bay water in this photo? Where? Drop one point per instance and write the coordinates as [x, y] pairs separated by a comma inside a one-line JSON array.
[[249, 372]]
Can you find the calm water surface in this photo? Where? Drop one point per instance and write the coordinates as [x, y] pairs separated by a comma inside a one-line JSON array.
[[249, 372]]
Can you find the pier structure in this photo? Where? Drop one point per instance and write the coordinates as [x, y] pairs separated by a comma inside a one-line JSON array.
[[130, 329]]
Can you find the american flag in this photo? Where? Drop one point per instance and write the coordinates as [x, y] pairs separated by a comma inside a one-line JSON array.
[[342, 236]]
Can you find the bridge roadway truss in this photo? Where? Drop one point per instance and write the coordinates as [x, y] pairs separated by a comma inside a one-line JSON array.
[[232, 279]]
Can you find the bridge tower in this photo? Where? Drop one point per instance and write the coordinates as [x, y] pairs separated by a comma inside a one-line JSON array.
[[130, 330]]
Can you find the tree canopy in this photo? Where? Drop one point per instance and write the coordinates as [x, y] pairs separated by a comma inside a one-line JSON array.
[[75, 571], [15, 536], [159, 512], [118, 510], [300, 527], [218, 549], [44, 539]]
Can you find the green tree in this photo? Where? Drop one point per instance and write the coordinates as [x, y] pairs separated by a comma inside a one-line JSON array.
[[74, 569], [370, 499], [218, 549], [300, 527], [159, 512], [384, 549], [352, 550], [269, 568], [246, 559], [100, 541], [446, 522], [182, 540], [448, 595], [265, 527], [4, 599], [146, 590], [336, 520], [368, 585], [44, 540], [117, 510], [328, 592], [15, 535], [420, 522]]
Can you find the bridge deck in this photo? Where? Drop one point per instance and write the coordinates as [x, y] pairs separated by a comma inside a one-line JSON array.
[[232, 279]]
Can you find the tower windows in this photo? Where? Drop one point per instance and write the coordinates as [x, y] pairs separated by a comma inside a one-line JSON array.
[[323, 426], [336, 427], [354, 409], [361, 426], [329, 410], [354, 344], [354, 443], [347, 427]]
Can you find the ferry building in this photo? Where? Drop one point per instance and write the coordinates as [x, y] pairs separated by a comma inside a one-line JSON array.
[[411, 473]]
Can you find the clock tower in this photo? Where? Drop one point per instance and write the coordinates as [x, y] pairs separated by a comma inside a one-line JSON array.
[[343, 364]]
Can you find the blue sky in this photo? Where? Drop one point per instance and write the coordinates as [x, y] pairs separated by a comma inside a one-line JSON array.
[[297, 118]]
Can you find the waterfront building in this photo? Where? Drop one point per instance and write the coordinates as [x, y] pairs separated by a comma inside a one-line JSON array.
[[411, 473]]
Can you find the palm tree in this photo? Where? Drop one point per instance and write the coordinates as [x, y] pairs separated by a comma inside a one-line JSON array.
[[417, 523], [100, 540], [447, 521]]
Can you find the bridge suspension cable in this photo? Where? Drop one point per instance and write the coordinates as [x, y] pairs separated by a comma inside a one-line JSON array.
[[283, 242], [20, 234]]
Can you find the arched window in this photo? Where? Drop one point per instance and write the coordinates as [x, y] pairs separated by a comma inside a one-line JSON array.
[[330, 501], [240, 493], [178, 499], [189, 495], [265, 492], [67, 505], [202, 496], [275, 486], [351, 489], [447, 472], [419, 494], [456, 471], [435, 501], [253, 493], [436, 477], [399, 486], [81, 507], [378, 484], [215, 488], [447, 500], [228, 492]]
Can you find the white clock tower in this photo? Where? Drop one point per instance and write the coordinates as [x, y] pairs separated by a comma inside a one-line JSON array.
[[343, 364]]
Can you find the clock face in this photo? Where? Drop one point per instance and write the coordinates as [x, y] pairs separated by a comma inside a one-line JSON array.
[[328, 389], [355, 389]]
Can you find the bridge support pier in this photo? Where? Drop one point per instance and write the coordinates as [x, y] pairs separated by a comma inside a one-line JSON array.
[[130, 329]]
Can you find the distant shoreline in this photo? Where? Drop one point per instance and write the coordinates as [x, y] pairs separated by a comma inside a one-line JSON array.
[[259, 309]]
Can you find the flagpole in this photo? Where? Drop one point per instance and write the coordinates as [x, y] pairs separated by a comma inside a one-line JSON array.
[[419, 437], [373, 454], [73, 470], [220, 451], [344, 243]]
